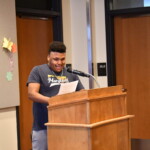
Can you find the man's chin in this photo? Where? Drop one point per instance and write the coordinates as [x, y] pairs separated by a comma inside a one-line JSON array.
[[58, 70]]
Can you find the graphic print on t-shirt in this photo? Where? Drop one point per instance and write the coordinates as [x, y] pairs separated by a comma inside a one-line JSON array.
[[56, 80]]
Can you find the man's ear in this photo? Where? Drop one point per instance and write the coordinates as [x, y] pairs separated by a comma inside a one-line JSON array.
[[48, 57]]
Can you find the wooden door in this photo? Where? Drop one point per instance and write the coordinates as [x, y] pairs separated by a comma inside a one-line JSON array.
[[34, 37], [132, 50]]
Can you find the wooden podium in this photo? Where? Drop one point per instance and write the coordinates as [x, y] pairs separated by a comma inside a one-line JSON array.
[[93, 119]]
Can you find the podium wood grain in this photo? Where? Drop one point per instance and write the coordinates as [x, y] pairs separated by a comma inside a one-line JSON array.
[[89, 120]]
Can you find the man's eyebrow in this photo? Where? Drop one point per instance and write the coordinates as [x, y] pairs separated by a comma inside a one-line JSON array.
[[59, 58]]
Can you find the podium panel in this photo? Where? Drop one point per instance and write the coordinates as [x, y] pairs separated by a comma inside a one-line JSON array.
[[89, 120]]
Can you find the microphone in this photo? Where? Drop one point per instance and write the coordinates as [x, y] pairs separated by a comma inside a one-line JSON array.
[[80, 73]]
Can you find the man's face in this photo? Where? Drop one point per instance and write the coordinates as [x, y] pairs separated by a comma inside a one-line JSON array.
[[56, 61]]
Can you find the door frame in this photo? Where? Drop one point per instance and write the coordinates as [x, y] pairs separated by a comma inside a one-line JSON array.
[[110, 48], [136, 144], [56, 14]]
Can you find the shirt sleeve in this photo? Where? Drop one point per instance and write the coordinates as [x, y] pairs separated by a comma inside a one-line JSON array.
[[34, 76]]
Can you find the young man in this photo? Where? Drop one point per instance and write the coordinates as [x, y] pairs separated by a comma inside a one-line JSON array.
[[43, 82]]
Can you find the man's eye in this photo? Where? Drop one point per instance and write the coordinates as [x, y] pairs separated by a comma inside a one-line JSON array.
[[56, 59], [63, 59]]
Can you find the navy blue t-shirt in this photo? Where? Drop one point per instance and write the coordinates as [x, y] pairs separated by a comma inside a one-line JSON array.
[[49, 86]]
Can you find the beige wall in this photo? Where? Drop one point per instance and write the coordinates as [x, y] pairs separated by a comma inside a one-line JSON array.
[[67, 29], [75, 36], [99, 38], [9, 90], [8, 129]]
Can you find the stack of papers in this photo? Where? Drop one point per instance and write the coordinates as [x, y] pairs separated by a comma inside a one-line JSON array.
[[68, 87]]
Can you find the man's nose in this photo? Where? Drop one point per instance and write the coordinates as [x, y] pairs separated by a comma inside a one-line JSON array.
[[59, 61]]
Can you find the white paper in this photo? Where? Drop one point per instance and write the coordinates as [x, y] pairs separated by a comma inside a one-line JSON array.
[[68, 87]]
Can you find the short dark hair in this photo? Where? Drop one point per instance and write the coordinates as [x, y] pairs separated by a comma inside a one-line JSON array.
[[57, 46]]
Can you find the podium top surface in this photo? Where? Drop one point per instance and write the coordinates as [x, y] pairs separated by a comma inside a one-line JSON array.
[[86, 95]]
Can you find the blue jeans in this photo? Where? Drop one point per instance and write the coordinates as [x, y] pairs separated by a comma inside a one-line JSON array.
[[39, 140]]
